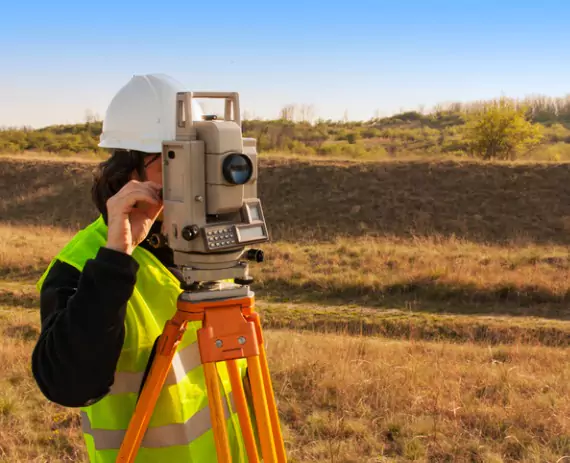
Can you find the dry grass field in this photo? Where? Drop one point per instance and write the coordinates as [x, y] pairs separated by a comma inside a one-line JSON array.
[[349, 399], [425, 317]]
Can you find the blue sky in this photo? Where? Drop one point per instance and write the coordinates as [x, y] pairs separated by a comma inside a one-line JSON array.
[[59, 59]]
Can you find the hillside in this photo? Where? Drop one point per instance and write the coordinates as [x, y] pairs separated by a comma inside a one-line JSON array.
[[308, 200], [415, 239]]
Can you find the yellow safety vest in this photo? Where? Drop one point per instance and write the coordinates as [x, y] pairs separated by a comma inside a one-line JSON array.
[[180, 428]]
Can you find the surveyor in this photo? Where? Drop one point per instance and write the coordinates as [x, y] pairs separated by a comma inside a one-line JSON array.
[[107, 294]]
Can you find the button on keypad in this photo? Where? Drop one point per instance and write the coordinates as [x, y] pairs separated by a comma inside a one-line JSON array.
[[220, 237]]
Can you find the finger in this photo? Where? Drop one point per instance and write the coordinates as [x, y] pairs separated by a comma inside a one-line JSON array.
[[134, 197], [154, 185], [156, 189], [135, 184], [130, 184], [141, 188]]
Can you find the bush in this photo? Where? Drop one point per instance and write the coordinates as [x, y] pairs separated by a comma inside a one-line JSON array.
[[352, 137], [556, 152], [556, 133], [298, 147], [344, 150], [371, 132], [500, 130], [341, 135], [430, 134], [453, 145]]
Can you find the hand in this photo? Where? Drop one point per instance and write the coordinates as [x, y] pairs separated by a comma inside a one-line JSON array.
[[131, 213]]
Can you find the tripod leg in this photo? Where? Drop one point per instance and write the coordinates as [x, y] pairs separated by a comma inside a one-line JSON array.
[[243, 411], [271, 404], [217, 413], [261, 411], [147, 400]]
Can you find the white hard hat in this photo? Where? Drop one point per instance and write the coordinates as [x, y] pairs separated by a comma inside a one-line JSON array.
[[143, 114]]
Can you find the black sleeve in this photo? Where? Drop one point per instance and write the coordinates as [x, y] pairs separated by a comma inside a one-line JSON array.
[[82, 332]]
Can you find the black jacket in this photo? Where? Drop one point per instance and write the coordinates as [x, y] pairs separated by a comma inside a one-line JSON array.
[[82, 317]]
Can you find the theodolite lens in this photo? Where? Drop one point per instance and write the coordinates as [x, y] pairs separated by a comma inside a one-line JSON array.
[[237, 169]]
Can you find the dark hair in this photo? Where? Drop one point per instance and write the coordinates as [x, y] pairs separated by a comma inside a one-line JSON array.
[[114, 173]]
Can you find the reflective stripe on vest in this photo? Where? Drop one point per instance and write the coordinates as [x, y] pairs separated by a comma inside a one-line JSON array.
[[184, 361], [161, 436]]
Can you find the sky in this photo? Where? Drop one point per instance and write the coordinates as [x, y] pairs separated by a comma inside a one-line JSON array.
[[59, 60]]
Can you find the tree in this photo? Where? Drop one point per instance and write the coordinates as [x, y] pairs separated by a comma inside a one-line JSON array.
[[307, 113], [288, 112], [500, 130], [91, 117]]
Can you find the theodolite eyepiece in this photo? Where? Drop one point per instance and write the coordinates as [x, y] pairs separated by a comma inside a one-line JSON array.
[[255, 255]]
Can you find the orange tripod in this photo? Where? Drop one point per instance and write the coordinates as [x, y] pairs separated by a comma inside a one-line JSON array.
[[231, 330]]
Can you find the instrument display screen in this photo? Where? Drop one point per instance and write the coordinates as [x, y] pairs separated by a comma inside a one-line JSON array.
[[254, 213], [251, 233]]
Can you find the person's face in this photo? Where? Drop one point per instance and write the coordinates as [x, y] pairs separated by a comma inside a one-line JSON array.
[[153, 168]]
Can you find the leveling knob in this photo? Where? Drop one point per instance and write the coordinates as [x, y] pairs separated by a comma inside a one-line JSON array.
[[190, 232]]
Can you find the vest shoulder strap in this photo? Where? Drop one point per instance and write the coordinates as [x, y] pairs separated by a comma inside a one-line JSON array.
[[82, 247]]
